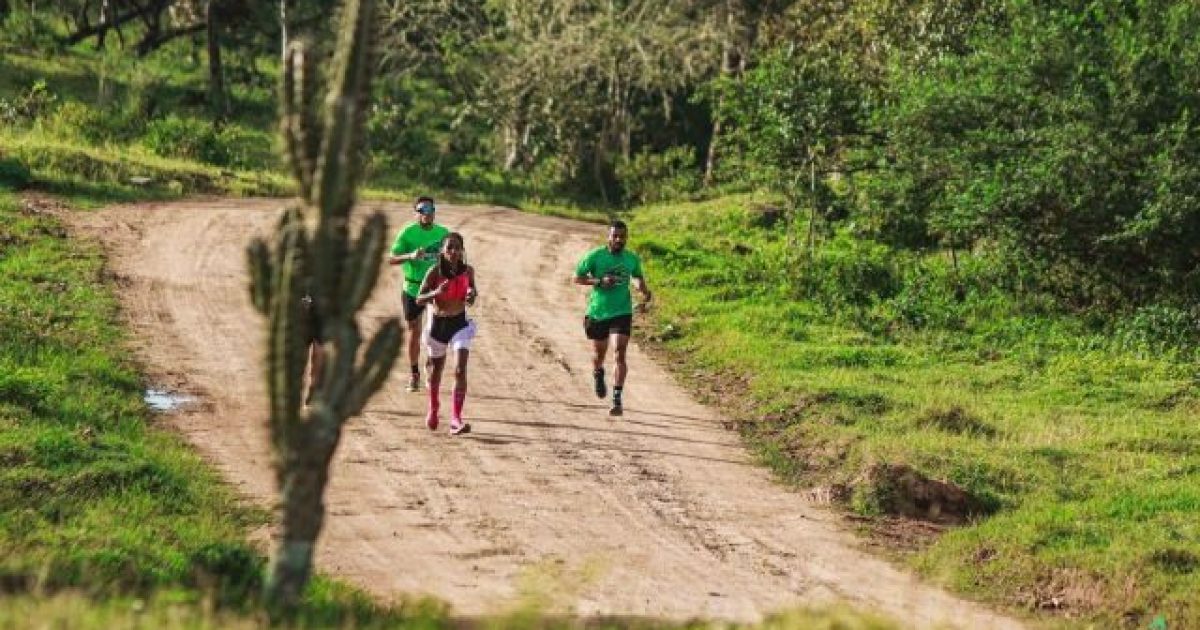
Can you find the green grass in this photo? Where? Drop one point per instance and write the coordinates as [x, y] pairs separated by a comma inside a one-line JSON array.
[[142, 132], [1083, 454], [94, 499], [90, 176]]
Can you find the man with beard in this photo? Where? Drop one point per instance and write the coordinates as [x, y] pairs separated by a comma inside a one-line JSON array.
[[609, 271]]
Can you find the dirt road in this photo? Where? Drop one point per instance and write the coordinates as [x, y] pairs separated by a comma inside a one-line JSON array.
[[660, 513]]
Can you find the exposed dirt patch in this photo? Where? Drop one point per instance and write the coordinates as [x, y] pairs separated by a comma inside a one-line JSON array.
[[1072, 593], [897, 534], [900, 489]]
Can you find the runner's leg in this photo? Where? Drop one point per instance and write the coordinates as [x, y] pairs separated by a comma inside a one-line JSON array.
[[435, 380], [622, 370], [599, 350], [619, 351], [414, 352], [460, 391]]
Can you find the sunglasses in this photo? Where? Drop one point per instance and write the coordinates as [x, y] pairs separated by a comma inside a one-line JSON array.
[[426, 208]]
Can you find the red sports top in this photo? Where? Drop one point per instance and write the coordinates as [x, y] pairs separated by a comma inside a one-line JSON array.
[[457, 289]]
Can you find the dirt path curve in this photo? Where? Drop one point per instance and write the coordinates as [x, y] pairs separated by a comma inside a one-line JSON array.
[[659, 514]]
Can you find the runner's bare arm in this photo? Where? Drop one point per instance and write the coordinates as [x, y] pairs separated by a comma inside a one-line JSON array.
[[644, 289], [396, 259], [472, 292], [431, 287], [593, 281]]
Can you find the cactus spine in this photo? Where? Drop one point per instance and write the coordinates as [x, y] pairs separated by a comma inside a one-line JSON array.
[[313, 254]]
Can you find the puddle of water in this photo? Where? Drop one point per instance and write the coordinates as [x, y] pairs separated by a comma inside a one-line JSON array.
[[163, 400]]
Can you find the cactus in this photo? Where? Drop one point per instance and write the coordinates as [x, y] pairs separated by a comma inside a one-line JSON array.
[[314, 254]]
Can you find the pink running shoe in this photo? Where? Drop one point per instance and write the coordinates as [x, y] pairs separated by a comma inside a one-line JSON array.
[[431, 420]]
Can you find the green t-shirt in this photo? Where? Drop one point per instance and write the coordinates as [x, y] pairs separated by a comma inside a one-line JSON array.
[[614, 301], [411, 238]]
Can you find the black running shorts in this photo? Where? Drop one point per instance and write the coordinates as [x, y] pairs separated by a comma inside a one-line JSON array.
[[443, 329], [412, 310], [314, 320], [600, 329]]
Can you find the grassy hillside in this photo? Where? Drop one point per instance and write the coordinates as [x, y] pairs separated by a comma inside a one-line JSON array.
[[1077, 450], [141, 130]]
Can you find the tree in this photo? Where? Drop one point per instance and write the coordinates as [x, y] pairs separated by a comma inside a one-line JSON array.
[[739, 23], [795, 117], [217, 98], [561, 81], [313, 255]]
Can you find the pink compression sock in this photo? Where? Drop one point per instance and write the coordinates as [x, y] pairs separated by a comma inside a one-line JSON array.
[[460, 397], [434, 403]]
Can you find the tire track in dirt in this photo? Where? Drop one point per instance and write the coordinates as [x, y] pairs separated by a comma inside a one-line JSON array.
[[660, 513]]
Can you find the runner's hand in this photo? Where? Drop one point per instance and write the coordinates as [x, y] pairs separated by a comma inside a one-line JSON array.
[[471, 293], [644, 305], [608, 281]]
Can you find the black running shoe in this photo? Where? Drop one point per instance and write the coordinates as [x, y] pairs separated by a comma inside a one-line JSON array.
[[616, 410], [601, 388]]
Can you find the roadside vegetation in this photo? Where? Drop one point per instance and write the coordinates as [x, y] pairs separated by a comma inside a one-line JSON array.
[[936, 259], [1070, 450]]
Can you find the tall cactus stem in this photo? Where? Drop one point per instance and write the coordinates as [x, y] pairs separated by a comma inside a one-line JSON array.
[[312, 264]]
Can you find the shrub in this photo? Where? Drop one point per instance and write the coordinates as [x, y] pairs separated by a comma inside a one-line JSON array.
[[187, 138], [1159, 329], [30, 30], [412, 132], [194, 139], [651, 177], [73, 120], [849, 272], [14, 174], [29, 105]]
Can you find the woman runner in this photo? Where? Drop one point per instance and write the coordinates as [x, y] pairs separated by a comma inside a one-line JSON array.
[[450, 287]]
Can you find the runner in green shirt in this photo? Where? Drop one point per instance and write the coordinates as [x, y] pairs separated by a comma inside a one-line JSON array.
[[609, 270], [416, 250]]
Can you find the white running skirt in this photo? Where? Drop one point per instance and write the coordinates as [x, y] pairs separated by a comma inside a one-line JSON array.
[[460, 341]]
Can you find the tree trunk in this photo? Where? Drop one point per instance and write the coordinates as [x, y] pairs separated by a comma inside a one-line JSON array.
[[516, 135], [216, 74], [105, 19], [710, 161], [512, 146], [283, 27], [812, 213]]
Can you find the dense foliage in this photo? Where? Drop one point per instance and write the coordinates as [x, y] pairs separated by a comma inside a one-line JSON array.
[[1056, 139]]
